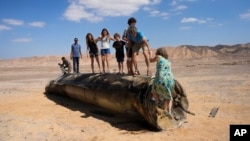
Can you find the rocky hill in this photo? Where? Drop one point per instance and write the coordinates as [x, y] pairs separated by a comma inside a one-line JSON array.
[[180, 53], [218, 51]]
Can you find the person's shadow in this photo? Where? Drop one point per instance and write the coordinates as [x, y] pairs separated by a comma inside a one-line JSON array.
[[121, 121]]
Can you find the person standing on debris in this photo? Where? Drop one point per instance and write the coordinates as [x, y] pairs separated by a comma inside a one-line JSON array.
[[65, 66], [105, 48], [131, 21], [119, 51], [136, 41], [75, 54], [163, 83], [93, 51]]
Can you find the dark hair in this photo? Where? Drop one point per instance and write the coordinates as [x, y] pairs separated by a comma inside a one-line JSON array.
[[76, 39], [117, 34], [87, 37], [63, 58], [131, 20], [105, 29], [162, 51]]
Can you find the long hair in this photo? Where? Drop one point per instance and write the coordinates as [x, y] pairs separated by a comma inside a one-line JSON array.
[[162, 51], [104, 29], [89, 40]]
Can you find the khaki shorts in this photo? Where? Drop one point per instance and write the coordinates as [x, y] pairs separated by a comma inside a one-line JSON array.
[[136, 47]]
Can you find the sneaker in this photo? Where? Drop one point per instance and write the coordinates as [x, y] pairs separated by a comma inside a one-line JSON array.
[[152, 100], [169, 115]]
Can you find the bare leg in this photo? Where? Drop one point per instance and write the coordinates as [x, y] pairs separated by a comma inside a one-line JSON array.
[[168, 107], [130, 66], [92, 64], [69, 69], [146, 56], [134, 61], [121, 67], [127, 63], [98, 63], [103, 63], [107, 60], [170, 103]]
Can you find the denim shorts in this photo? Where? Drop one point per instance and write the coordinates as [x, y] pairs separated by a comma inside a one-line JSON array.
[[105, 51]]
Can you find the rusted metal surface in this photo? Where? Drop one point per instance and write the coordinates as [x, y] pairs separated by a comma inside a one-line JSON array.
[[121, 94]]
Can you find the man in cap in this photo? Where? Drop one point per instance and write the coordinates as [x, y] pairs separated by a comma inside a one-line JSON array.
[[75, 55]]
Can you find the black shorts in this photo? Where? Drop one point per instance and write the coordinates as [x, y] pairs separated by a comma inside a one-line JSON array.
[[91, 54], [120, 59], [129, 52]]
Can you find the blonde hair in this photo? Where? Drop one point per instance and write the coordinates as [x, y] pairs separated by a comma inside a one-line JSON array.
[[162, 51]]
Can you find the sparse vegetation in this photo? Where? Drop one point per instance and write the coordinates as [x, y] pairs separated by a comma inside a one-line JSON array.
[[229, 63], [190, 65]]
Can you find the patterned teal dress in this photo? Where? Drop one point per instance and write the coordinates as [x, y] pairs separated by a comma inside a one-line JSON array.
[[163, 83]]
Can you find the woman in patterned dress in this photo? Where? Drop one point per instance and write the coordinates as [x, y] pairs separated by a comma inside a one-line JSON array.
[[163, 83]]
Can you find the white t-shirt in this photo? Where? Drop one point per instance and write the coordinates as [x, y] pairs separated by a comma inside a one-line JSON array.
[[105, 43]]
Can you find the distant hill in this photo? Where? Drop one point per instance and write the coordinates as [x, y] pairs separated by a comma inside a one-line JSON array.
[[184, 52], [218, 51]]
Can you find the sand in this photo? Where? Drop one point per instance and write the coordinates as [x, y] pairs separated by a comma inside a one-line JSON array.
[[26, 113]]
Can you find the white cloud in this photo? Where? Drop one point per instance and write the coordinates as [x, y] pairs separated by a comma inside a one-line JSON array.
[[156, 1], [96, 10], [156, 13], [37, 24], [13, 21], [77, 12], [173, 3], [185, 28], [176, 2], [180, 8], [23, 40], [164, 14], [4, 27], [146, 8], [193, 20], [245, 16]]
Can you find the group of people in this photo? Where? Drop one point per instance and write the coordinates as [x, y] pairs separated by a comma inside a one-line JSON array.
[[133, 40]]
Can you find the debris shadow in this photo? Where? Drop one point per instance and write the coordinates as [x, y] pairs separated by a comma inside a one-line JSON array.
[[117, 120]]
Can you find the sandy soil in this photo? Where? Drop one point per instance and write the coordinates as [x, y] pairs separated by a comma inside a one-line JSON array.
[[26, 113]]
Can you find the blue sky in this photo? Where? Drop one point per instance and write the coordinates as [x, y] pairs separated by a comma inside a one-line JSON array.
[[48, 27]]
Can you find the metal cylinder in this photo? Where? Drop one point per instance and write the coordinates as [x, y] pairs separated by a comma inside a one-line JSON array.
[[121, 94]]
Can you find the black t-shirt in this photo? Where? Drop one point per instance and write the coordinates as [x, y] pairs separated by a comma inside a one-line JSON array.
[[119, 48], [92, 47]]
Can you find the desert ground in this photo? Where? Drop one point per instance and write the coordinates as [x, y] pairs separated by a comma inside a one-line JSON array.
[[26, 113]]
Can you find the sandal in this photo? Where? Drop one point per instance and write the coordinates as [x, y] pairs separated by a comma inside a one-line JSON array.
[[130, 73], [168, 114], [134, 74], [149, 73], [137, 72]]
